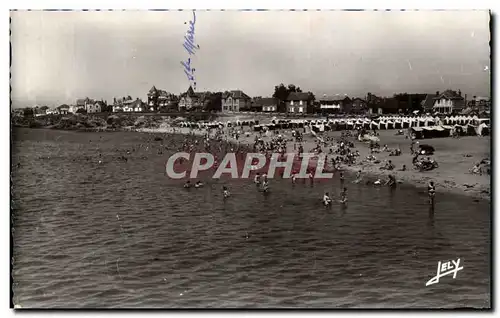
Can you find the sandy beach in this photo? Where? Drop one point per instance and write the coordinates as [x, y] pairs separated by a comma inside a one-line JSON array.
[[454, 156]]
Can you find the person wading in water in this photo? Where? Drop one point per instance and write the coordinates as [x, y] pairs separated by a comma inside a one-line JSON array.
[[343, 196], [431, 189], [225, 192], [391, 182], [256, 179], [265, 185], [326, 199], [311, 177]]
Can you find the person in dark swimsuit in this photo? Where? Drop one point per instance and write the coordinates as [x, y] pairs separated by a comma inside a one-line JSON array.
[[431, 190], [343, 196]]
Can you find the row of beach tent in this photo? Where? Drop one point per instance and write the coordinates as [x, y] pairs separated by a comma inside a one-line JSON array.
[[449, 130], [380, 123], [217, 124]]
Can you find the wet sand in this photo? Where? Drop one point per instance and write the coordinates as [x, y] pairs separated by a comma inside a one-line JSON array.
[[452, 175]]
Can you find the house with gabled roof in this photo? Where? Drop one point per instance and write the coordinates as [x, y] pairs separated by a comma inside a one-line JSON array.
[[446, 102], [265, 104], [63, 109], [192, 100], [330, 104], [234, 101], [158, 98], [299, 102]]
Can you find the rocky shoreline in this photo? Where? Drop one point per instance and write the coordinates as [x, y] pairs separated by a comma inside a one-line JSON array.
[[106, 121], [84, 122]]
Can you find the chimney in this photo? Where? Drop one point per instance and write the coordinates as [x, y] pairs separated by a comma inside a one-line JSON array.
[[459, 93], [437, 93]]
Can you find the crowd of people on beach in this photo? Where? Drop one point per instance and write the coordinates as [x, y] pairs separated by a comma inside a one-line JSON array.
[[340, 150]]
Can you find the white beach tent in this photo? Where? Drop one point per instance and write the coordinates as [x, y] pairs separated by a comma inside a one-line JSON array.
[[482, 129], [390, 124]]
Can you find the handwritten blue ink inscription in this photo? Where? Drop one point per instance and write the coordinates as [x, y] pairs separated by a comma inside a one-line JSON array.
[[190, 46]]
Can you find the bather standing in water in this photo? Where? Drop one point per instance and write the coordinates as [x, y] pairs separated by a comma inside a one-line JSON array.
[[358, 177], [326, 199], [343, 196], [431, 189], [198, 184], [391, 182], [265, 185], [225, 192], [256, 179]]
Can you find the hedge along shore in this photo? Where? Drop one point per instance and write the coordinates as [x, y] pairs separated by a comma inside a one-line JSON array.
[[454, 156]]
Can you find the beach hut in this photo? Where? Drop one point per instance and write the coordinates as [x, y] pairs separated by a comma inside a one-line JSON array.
[[460, 130], [414, 122], [437, 121], [390, 124], [366, 124], [405, 123], [429, 121], [417, 132], [431, 132], [484, 120], [471, 130], [398, 124], [349, 124], [341, 125], [257, 128], [483, 130]]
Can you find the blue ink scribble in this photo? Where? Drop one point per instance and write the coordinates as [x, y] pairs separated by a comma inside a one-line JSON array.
[[190, 46]]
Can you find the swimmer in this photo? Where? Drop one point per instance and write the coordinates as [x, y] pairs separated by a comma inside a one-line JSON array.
[[326, 199], [431, 189], [391, 182], [265, 185], [198, 184], [187, 185], [256, 179], [225, 192], [343, 196], [358, 177]]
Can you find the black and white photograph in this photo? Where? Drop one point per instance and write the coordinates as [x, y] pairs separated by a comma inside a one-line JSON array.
[[272, 159]]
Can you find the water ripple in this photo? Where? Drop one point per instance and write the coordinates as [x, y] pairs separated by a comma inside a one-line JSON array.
[[120, 234]]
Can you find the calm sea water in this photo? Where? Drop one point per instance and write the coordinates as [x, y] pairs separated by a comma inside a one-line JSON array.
[[121, 234]]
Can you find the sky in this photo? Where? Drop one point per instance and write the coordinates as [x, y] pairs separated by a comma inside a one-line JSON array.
[[59, 56]]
